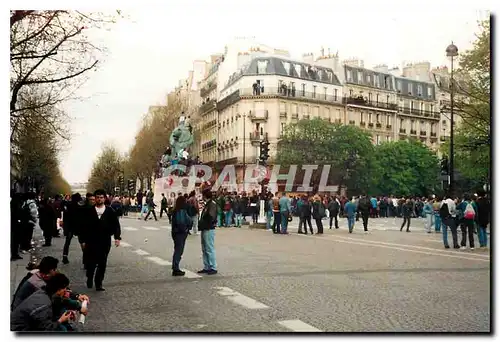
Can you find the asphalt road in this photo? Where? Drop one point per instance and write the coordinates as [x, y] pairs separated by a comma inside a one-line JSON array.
[[338, 282]]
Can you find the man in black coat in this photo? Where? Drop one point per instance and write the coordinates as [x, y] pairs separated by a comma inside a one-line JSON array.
[[333, 208], [100, 224]]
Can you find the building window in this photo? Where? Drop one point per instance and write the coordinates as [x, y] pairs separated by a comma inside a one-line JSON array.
[[411, 105], [360, 77], [350, 92], [298, 68], [282, 128], [388, 96], [413, 125], [378, 140], [402, 124], [377, 97], [429, 92], [334, 94], [370, 118], [378, 118], [369, 97], [389, 138], [376, 78], [349, 76], [303, 89], [314, 92], [369, 79], [399, 86], [419, 89], [388, 120], [262, 67], [326, 91], [410, 88], [361, 117], [432, 108]]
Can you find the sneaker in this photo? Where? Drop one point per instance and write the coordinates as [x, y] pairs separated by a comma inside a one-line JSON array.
[[472, 248], [202, 271], [463, 247], [211, 272], [178, 273]]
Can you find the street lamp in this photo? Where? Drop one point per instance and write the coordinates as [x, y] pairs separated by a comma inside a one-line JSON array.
[[452, 52]]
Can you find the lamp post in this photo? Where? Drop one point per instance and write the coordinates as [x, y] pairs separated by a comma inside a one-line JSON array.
[[452, 52]]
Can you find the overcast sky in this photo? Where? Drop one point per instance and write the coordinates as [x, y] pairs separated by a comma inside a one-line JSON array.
[[152, 50]]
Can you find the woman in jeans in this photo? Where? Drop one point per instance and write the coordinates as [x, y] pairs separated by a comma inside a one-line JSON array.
[[428, 212], [181, 222]]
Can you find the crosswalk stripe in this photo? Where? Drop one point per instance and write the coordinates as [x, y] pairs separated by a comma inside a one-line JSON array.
[[125, 244], [150, 228], [141, 252], [159, 261], [130, 228]]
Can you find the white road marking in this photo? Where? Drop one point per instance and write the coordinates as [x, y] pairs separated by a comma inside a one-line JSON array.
[[130, 228], [124, 244], [159, 261], [191, 275], [240, 299], [141, 252], [298, 326], [150, 228], [413, 246], [166, 227]]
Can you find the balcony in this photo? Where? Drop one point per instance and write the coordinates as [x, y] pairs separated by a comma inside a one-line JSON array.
[[207, 107], [423, 133], [208, 88], [370, 124], [362, 124], [295, 116], [378, 125], [351, 122], [402, 131], [364, 102], [306, 116], [413, 132], [433, 135], [388, 127], [283, 115], [256, 137], [290, 93], [259, 115], [418, 112]]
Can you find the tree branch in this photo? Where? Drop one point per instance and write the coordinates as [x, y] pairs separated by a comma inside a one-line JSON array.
[[42, 29], [62, 78], [18, 15]]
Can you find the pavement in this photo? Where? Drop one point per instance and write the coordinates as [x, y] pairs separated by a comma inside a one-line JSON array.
[[384, 281]]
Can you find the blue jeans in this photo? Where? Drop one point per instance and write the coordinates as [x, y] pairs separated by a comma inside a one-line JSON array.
[[284, 222], [450, 222], [219, 219], [208, 249], [228, 215], [269, 216], [238, 218], [437, 222], [482, 236], [350, 222], [179, 243]]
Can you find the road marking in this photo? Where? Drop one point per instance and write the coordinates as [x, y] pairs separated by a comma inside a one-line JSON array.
[[141, 252], [130, 228], [298, 326], [166, 227], [412, 246], [150, 228], [159, 261], [240, 299], [191, 275], [124, 244]]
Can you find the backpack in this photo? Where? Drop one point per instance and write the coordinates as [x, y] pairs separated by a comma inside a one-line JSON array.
[[321, 210], [182, 219], [444, 213], [469, 213]]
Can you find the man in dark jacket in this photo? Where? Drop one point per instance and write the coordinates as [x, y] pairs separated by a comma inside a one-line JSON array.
[[304, 211], [100, 224], [206, 225], [364, 207], [483, 218], [333, 208], [72, 222], [35, 313]]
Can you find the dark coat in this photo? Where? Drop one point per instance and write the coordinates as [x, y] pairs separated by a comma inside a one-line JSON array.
[[96, 232], [483, 212]]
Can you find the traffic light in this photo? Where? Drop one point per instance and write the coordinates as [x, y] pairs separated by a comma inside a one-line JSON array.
[[120, 179], [444, 166], [264, 151], [131, 185]]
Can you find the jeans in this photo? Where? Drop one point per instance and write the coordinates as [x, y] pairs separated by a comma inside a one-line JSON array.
[[332, 217], [350, 222], [277, 222], [219, 219], [306, 220], [428, 222], [228, 215], [179, 243], [269, 215], [467, 227], [284, 222], [195, 223], [238, 219], [437, 222], [208, 249], [450, 222], [482, 236]]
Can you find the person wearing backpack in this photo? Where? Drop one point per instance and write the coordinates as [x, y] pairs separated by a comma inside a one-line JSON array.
[[447, 212], [469, 210], [318, 212], [181, 222]]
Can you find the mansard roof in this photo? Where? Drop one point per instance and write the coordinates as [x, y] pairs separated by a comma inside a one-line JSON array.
[[285, 67]]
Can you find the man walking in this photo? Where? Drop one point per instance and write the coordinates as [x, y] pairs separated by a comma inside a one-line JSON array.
[[285, 211], [206, 225], [101, 223], [163, 205], [350, 212], [364, 208]]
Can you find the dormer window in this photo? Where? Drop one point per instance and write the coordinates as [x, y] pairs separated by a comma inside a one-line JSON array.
[[286, 65], [262, 67], [410, 88], [360, 77]]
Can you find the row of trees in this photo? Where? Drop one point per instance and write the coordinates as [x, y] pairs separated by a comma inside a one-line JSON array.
[[51, 56], [402, 167]]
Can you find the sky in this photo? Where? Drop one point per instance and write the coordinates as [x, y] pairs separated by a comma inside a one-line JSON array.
[[152, 49]]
